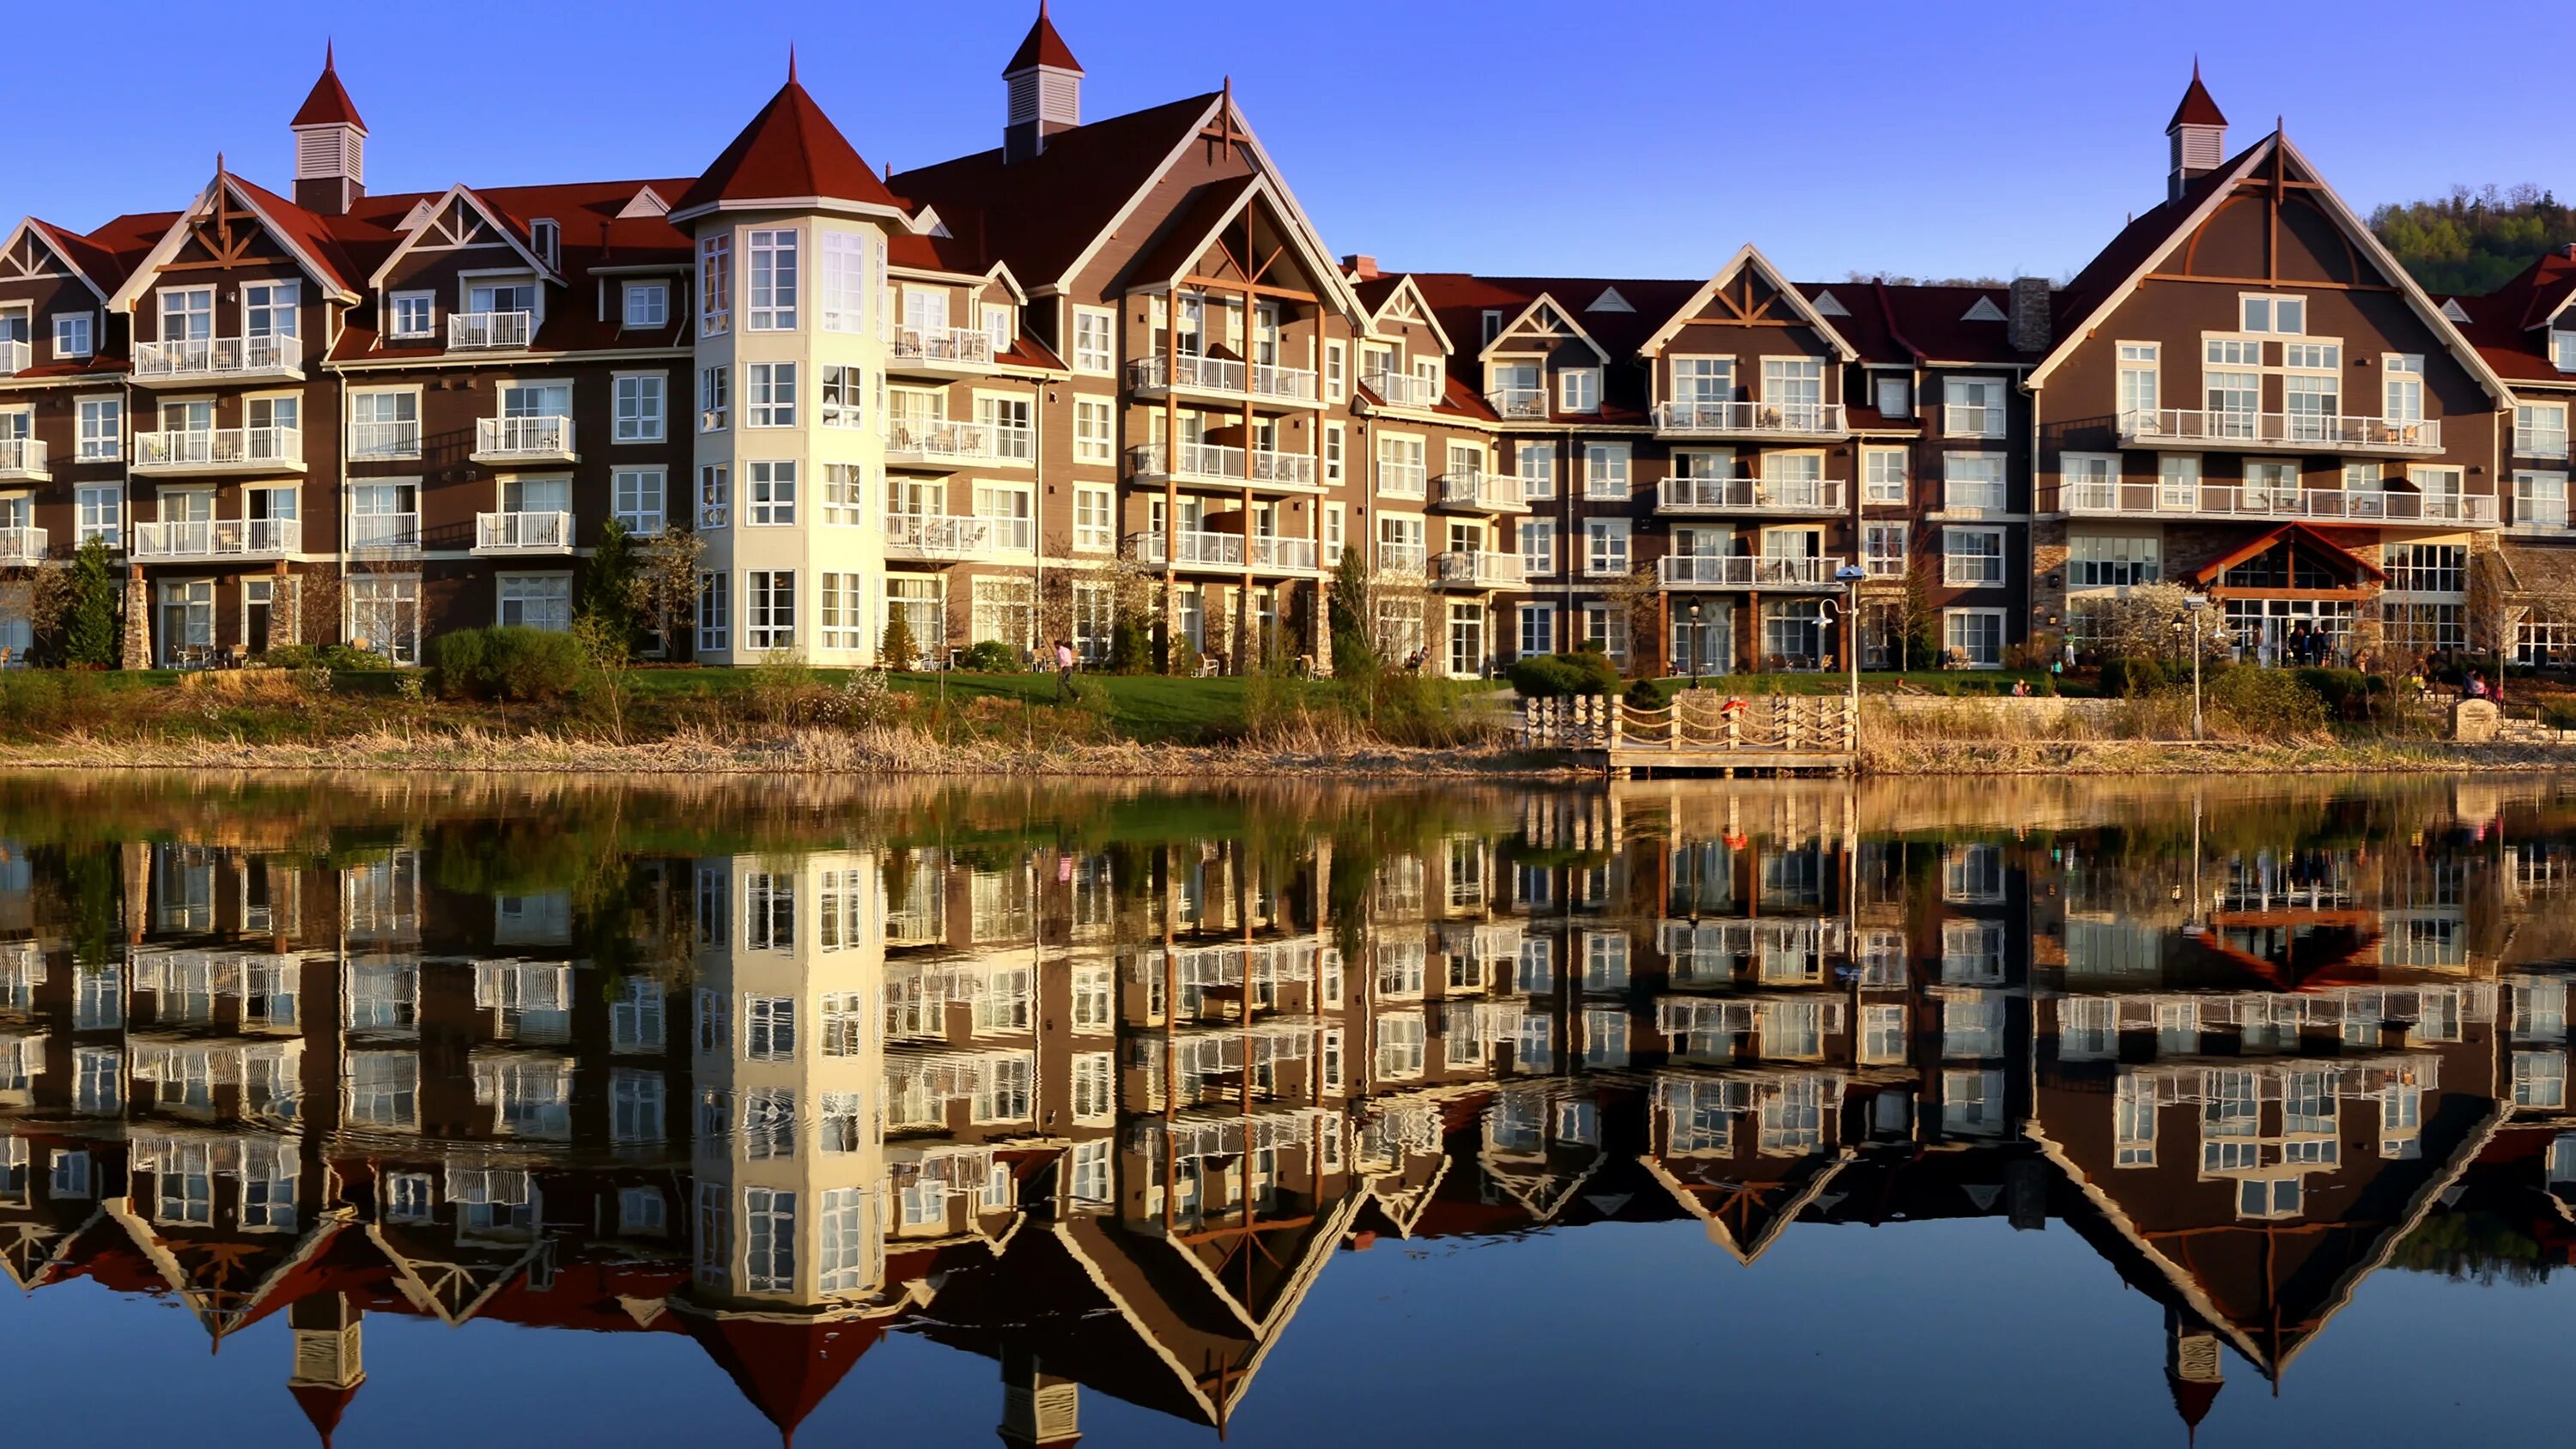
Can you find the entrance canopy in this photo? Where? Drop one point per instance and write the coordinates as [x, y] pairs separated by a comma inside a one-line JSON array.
[[2292, 556]]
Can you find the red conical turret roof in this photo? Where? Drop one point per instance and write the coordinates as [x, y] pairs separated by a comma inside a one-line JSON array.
[[2197, 109], [1043, 47], [790, 151], [323, 1405], [329, 104], [784, 1369]]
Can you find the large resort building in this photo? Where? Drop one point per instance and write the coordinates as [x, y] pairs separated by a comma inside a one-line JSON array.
[[1108, 371]]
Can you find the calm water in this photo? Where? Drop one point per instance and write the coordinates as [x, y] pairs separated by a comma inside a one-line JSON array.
[[546, 1113]]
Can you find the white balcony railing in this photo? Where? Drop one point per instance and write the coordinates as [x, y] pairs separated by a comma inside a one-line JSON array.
[[1751, 419], [384, 440], [1399, 480], [943, 346], [1740, 571], [21, 545], [220, 448], [1518, 402], [1972, 420], [15, 358], [1282, 553], [1192, 372], [539, 437], [938, 440], [218, 357], [522, 532], [23, 458], [468, 331], [2529, 442], [384, 533], [2226, 500], [1399, 558], [1217, 463], [1750, 495], [1403, 390], [211, 538], [2321, 432], [1479, 489], [1196, 546], [1480, 569], [943, 533]]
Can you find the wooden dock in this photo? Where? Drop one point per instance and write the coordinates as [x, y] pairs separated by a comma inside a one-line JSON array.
[[1700, 732]]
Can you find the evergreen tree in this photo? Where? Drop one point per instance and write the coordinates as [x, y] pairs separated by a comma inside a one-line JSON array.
[[2472, 242], [608, 584], [1353, 653], [89, 612]]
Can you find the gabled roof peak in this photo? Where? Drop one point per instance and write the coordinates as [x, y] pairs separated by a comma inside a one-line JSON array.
[[328, 104], [1043, 47], [2197, 109]]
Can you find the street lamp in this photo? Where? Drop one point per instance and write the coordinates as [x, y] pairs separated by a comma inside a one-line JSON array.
[[2194, 607], [1849, 576], [1694, 643]]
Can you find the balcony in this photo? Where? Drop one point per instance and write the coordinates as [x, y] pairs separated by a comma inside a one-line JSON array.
[[1742, 571], [1199, 548], [1479, 569], [369, 442], [943, 351], [1402, 390], [2226, 500], [1399, 480], [218, 538], [1753, 420], [2547, 443], [1215, 463], [15, 358], [936, 443], [21, 546], [1751, 495], [512, 533], [1407, 559], [382, 534], [22, 460], [1519, 404], [1222, 377], [2287, 432], [938, 535], [219, 359], [524, 440], [489, 331], [220, 450], [1491, 492]]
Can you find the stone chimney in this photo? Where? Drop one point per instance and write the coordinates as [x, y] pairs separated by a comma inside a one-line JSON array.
[[1360, 267], [2028, 316]]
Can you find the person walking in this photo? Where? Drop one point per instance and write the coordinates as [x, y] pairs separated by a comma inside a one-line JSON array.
[[1064, 669]]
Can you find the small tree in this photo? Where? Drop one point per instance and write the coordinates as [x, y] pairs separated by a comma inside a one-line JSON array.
[[1349, 610], [1918, 639], [662, 588], [90, 608], [608, 582], [606, 646], [1636, 599], [896, 648]]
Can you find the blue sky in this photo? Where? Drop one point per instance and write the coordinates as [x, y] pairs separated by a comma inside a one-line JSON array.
[[1615, 137]]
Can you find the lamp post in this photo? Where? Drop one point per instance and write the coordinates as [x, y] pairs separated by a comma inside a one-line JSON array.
[[2195, 607], [1694, 643], [1849, 576]]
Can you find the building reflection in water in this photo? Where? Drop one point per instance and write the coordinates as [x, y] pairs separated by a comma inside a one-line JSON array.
[[1104, 1115]]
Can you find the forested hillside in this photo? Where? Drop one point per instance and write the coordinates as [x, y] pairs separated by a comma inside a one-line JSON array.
[[2469, 241]]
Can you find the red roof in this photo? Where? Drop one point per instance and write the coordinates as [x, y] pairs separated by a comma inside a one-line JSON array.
[[785, 1369], [1043, 47], [324, 1406], [790, 150], [2502, 324], [329, 104], [2197, 109]]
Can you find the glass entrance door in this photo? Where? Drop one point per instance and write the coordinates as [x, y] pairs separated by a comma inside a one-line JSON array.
[[2289, 631]]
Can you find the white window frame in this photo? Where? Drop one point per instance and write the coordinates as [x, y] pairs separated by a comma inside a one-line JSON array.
[[1095, 341], [1099, 533], [1877, 484], [1952, 557], [99, 445], [769, 493], [769, 395], [2270, 303], [400, 327], [1578, 389], [628, 489], [773, 278], [1951, 616], [643, 305], [647, 419], [88, 343], [1095, 431]]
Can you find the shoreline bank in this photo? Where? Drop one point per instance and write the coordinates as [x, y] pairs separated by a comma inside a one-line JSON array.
[[811, 751]]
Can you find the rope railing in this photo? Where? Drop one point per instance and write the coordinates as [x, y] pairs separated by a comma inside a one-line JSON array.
[[1694, 720]]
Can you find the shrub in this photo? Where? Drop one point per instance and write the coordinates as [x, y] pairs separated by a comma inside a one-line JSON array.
[[2265, 703], [2559, 712], [2129, 677], [1644, 695], [509, 663], [342, 657], [779, 684], [864, 699], [990, 656], [1554, 676], [456, 659], [2346, 692], [1131, 646]]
